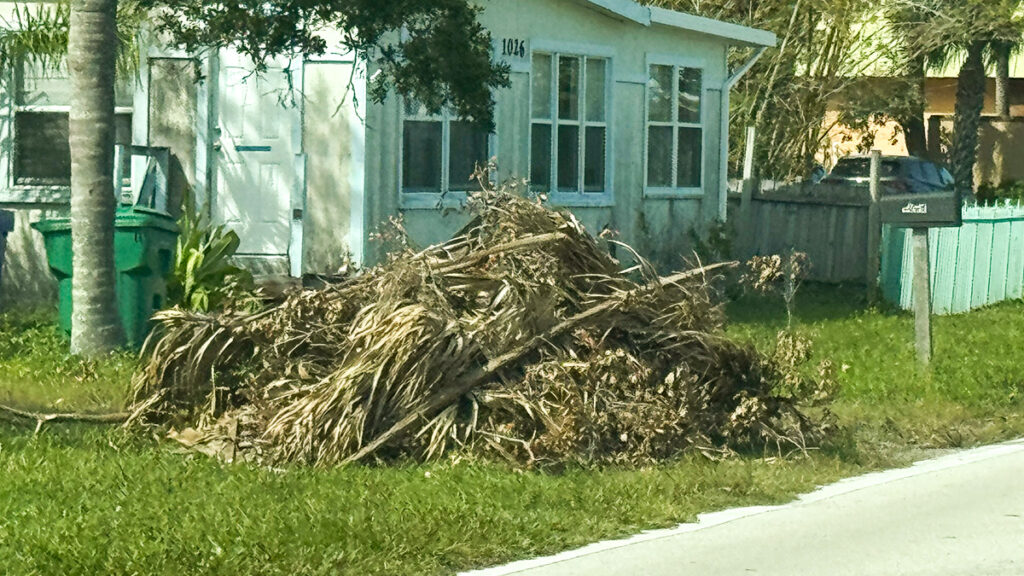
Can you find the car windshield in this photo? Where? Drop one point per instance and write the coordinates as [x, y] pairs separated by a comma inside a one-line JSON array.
[[861, 168]]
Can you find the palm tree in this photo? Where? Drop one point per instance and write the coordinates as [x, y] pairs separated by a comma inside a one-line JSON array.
[[88, 37], [92, 63], [970, 100], [1002, 51]]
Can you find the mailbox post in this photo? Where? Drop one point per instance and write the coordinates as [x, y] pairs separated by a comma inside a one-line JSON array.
[[922, 297], [920, 212]]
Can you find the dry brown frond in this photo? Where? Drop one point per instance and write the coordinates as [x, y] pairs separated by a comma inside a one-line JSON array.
[[520, 337]]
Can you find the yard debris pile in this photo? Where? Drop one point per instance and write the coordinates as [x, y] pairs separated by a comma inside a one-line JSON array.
[[521, 337]]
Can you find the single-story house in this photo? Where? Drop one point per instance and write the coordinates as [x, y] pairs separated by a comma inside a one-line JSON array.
[[615, 110]]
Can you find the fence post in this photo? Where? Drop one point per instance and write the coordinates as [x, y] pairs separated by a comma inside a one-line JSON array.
[[745, 229], [874, 228], [922, 298]]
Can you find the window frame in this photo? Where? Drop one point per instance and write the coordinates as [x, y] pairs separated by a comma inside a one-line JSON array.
[[32, 193], [555, 49], [445, 198], [676, 62]]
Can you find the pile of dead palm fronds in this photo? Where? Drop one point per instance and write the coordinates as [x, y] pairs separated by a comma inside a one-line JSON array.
[[520, 337]]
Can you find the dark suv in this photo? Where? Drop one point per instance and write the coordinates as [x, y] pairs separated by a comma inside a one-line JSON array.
[[900, 174]]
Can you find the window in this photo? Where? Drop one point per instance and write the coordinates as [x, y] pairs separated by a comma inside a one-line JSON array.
[[675, 131], [569, 129], [41, 154], [439, 152]]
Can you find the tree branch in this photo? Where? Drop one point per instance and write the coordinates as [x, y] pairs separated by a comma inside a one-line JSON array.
[[44, 418]]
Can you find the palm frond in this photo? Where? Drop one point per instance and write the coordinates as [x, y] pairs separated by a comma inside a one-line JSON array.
[[521, 337], [39, 32]]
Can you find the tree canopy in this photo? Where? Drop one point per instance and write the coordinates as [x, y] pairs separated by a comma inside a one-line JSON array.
[[813, 80], [434, 50]]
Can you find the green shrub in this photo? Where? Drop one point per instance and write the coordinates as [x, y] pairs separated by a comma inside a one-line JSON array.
[[1011, 190], [204, 277]]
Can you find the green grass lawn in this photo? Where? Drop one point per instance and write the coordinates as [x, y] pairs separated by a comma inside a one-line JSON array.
[[973, 393], [85, 499], [37, 373]]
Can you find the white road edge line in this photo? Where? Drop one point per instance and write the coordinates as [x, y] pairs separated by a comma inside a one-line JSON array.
[[713, 519]]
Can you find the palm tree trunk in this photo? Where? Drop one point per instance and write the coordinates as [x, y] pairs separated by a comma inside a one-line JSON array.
[[913, 125], [970, 100], [1003, 80], [92, 53]]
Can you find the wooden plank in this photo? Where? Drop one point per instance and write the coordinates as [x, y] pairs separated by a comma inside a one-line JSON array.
[[853, 248], [830, 246], [1015, 265], [767, 228], [747, 217], [982, 264], [1000, 256], [963, 284], [791, 217], [907, 270], [892, 263], [945, 246]]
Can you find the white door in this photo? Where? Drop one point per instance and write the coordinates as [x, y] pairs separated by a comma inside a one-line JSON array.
[[258, 170]]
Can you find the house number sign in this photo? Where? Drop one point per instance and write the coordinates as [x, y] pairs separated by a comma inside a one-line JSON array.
[[513, 47]]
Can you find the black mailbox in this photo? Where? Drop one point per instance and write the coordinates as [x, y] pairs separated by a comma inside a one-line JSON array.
[[939, 209]]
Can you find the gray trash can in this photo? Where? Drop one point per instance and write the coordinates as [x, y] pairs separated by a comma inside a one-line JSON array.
[[6, 225]]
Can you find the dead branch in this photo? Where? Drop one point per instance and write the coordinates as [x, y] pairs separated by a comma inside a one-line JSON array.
[[484, 373], [45, 418]]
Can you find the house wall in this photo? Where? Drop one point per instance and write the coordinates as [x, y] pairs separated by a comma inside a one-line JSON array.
[[332, 131], [1000, 148], [657, 227], [26, 279], [172, 110], [940, 94]]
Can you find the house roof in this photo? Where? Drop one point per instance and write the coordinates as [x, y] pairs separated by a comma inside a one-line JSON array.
[[631, 11]]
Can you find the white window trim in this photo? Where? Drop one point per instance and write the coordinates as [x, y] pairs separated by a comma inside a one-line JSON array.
[[45, 194], [445, 198], [677, 62], [608, 53]]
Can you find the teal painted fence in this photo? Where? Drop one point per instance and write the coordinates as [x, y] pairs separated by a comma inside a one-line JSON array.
[[976, 265]]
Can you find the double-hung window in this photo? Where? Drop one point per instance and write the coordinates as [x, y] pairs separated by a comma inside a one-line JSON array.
[[41, 155], [440, 152], [675, 128], [569, 126]]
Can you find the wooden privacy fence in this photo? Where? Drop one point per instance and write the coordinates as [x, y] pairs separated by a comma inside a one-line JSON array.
[[829, 224], [979, 264]]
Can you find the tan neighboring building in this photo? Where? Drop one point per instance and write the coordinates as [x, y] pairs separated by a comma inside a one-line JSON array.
[[1001, 154]]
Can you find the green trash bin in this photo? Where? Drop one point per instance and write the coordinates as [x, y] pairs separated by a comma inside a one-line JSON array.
[[144, 245]]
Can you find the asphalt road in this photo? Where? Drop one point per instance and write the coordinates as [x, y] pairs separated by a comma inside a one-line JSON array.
[[964, 516]]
